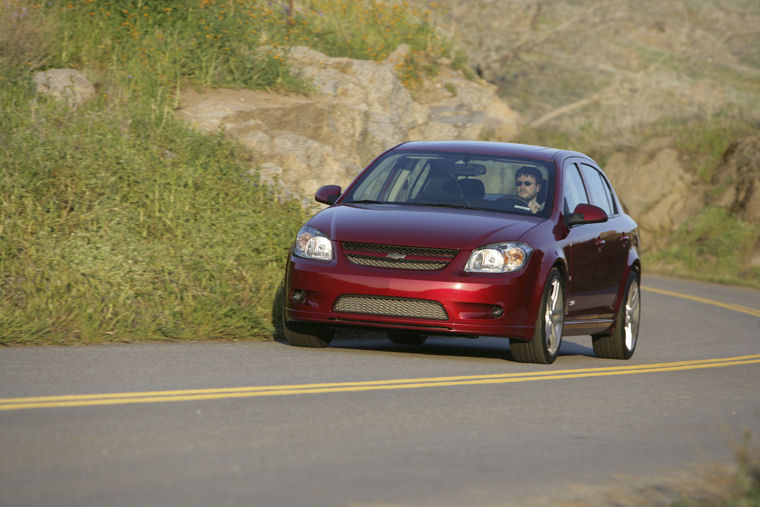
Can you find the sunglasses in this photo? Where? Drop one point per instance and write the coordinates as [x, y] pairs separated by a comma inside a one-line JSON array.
[[521, 183]]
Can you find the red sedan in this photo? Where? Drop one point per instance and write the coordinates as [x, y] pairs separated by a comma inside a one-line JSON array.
[[470, 239]]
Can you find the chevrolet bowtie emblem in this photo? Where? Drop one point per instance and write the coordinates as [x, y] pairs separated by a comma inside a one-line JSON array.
[[395, 255]]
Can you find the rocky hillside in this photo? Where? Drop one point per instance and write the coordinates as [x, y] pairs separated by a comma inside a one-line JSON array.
[[665, 92], [614, 64], [359, 108], [657, 92]]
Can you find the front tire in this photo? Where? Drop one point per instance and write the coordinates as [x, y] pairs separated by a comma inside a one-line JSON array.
[[547, 338], [621, 343], [306, 334]]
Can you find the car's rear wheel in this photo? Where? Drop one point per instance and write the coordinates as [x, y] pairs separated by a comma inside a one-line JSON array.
[[406, 337], [306, 334], [621, 343], [547, 338]]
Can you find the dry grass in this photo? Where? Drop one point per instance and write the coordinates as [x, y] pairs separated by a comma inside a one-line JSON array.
[[701, 485]]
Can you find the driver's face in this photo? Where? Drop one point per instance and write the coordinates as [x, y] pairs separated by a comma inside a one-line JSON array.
[[526, 187]]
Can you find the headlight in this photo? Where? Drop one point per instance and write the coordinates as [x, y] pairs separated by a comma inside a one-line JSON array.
[[498, 258], [313, 244]]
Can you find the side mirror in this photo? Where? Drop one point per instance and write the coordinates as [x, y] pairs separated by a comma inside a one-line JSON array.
[[328, 194], [586, 214]]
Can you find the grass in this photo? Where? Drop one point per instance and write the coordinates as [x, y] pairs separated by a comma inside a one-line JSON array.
[[712, 246], [124, 226], [740, 488], [117, 222]]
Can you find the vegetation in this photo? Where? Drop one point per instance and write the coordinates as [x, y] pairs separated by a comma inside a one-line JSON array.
[[711, 246], [117, 222], [123, 225], [739, 487]]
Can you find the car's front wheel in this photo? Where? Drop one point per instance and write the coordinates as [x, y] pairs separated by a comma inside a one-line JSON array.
[[621, 343], [306, 334], [547, 338]]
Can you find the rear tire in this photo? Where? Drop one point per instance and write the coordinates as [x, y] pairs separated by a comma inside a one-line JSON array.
[[621, 343], [406, 337], [306, 334], [547, 338]]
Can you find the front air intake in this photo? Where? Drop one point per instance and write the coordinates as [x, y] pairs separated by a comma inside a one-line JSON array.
[[391, 307]]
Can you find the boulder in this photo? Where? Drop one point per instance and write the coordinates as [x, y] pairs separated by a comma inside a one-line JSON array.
[[738, 179], [359, 109], [655, 189], [66, 85]]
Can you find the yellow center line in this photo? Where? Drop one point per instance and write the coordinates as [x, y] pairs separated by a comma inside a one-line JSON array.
[[737, 308], [84, 400]]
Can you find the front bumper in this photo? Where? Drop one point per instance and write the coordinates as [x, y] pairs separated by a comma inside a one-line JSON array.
[[468, 300]]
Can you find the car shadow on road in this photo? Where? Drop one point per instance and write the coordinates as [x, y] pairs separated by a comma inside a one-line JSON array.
[[483, 347]]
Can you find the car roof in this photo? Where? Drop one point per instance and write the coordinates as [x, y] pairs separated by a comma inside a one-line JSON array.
[[488, 148]]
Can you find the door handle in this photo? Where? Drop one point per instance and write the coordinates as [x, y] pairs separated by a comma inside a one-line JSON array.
[[624, 238], [600, 244]]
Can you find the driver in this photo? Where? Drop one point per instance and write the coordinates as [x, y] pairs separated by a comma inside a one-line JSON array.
[[528, 183]]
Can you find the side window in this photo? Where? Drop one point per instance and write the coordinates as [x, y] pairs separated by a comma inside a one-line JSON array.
[[608, 192], [598, 189], [572, 188]]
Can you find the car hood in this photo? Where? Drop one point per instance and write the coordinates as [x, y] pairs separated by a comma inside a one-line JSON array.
[[424, 226]]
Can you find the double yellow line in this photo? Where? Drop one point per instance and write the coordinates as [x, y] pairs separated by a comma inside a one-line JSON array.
[[86, 400], [737, 308]]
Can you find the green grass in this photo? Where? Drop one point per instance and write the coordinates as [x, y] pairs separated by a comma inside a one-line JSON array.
[[124, 226], [712, 246]]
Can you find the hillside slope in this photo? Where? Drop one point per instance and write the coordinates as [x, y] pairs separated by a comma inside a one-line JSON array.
[[665, 94]]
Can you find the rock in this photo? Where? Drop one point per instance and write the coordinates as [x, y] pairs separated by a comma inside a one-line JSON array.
[[739, 177], [661, 195], [655, 189], [66, 85], [360, 109]]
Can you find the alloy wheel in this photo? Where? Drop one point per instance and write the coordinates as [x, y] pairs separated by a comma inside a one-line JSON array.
[[554, 317], [632, 316]]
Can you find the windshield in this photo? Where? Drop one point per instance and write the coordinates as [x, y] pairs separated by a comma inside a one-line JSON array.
[[474, 181]]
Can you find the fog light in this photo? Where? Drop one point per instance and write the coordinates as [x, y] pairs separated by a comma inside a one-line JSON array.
[[298, 296], [497, 311]]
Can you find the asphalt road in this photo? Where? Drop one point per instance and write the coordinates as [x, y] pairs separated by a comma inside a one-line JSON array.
[[365, 422]]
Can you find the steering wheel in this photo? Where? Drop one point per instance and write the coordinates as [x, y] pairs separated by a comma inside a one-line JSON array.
[[514, 201]]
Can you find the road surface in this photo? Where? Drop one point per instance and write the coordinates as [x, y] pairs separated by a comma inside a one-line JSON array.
[[369, 423]]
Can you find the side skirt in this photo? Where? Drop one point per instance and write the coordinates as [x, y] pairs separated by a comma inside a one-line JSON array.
[[591, 325]]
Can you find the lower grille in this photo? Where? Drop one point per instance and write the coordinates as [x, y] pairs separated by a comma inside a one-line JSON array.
[[391, 307]]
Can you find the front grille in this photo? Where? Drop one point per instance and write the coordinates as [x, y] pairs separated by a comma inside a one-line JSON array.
[[398, 257], [380, 262], [391, 307]]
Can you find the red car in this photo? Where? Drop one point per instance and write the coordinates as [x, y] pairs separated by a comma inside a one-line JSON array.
[[470, 239]]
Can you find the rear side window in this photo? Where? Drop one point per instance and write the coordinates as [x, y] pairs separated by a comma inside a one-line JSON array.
[[572, 188], [599, 192]]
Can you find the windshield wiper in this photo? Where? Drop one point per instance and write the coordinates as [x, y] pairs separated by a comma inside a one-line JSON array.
[[439, 205], [368, 201]]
